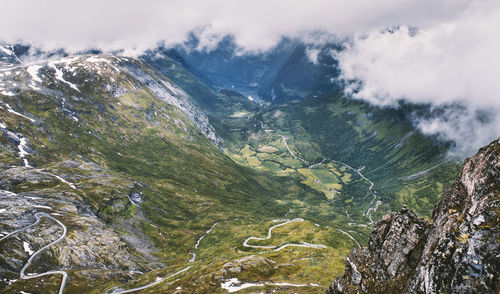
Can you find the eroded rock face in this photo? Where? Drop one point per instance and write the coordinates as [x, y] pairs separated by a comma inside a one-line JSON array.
[[457, 252], [398, 240]]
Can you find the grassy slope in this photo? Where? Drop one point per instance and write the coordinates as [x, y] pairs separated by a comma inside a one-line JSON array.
[[143, 144], [385, 142], [188, 184], [406, 167]]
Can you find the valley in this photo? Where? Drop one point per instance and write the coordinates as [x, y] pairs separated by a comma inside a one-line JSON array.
[[270, 147], [162, 184]]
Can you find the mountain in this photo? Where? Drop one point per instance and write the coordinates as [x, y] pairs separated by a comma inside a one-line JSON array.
[[8, 55], [235, 70], [365, 161], [210, 97], [130, 167], [308, 72], [305, 138], [291, 70], [146, 174], [407, 167], [455, 252], [156, 56]]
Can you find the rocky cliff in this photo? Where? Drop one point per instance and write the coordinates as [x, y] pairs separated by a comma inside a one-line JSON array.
[[457, 251]]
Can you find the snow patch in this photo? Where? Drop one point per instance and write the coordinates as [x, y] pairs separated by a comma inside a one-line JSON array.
[[193, 257], [33, 71], [6, 51], [71, 185], [22, 147], [34, 87], [26, 163], [43, 207], [479, 220], [27, 248], [7, 93], [59, 76], [9, 109], [97, 59], [22, 151]]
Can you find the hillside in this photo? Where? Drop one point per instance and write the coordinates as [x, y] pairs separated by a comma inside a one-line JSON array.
[[186, 178], [312, 138], [129, 164], [407, 167]]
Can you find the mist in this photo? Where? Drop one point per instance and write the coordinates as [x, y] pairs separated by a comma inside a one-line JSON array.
[[256, 25], [454, 62]]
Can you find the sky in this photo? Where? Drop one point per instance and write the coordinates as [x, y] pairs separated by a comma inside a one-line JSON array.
[[439, 52]]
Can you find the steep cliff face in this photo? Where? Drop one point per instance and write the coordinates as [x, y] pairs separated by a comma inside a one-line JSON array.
[[456, 252]]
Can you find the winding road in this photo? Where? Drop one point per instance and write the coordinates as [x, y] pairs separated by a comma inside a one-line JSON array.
[[276, 248], [22, 274], [193, 254], [234, 285], [291, 153], [370, 209], [158, 281], [350, 236]]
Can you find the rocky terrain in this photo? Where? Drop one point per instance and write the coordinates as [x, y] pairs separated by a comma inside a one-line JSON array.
[[456, 251]]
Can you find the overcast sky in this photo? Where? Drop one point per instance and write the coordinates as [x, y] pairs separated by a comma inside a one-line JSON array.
[[451, 56]]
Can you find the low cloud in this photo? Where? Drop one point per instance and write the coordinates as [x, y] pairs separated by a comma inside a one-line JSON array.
[[256, 25], [312, 54], [468, 128], [455, 62]]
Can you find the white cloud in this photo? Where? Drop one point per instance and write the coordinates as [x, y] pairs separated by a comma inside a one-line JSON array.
[[312, 54], [256, 25], [469, 128], [455, 61]]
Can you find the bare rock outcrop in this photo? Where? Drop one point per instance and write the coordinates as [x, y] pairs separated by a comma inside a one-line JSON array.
[[456, 252]]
